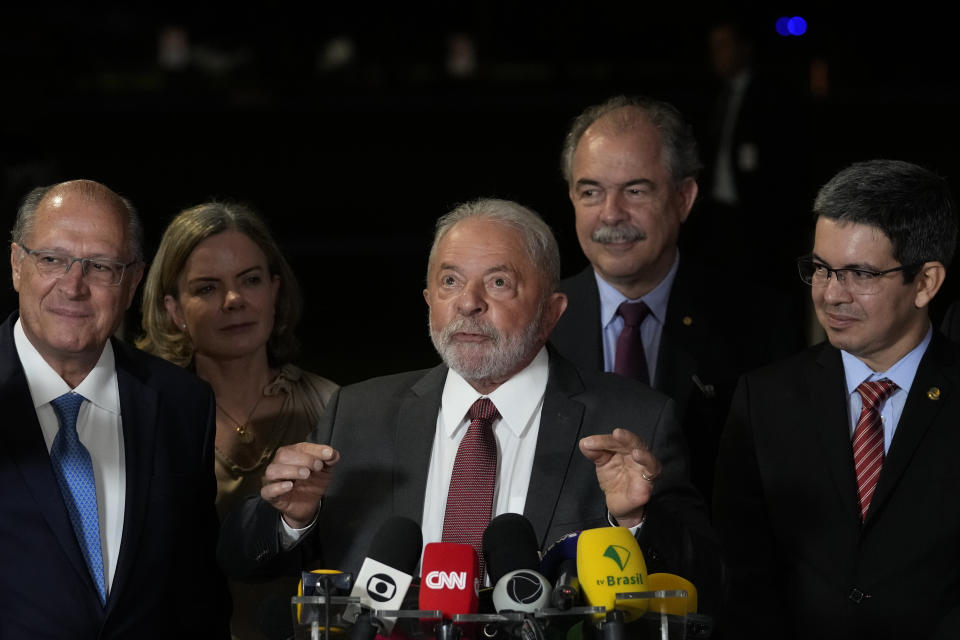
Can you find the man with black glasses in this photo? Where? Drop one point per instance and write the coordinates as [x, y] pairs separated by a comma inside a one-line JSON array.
[[836, 491]]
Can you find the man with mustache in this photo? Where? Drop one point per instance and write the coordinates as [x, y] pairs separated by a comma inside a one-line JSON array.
[[837, 476], [572, 449], [640, 308]]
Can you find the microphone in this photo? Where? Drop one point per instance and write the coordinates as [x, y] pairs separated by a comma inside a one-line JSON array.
[[672, 582], [559, 565], [513, 563], [386, 573], [609, 561], [327, 583], [450, 579]]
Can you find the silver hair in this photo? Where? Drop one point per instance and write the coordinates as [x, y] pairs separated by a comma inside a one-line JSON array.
[[537, 237], [676, 135]]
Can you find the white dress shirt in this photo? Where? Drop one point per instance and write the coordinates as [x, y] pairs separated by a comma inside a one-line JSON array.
[[519, 401], [99, 427]]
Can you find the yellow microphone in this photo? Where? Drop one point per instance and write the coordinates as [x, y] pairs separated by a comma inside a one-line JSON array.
[[672, 582], [609, 561]]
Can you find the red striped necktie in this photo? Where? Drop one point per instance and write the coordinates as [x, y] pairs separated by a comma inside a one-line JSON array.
[[868, 439]]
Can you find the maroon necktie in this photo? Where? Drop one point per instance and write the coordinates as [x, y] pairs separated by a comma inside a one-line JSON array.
[[868, 439], [630, 360], [470, 499]]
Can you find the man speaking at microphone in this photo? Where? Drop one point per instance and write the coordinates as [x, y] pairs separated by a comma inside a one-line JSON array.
[[504, 425]]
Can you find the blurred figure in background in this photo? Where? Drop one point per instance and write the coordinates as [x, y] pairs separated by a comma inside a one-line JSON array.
[[220, 299]]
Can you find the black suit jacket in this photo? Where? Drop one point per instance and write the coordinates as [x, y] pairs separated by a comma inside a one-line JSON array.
[[713, 333], [167, 584], [384, 430], [801, 562]]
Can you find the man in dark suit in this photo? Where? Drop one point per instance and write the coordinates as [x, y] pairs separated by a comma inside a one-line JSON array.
[[387, 446], [837, 474], [631, 165], [106, 453]]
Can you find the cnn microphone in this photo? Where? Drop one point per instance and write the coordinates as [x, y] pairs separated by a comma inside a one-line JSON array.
[[385, 576], [450, 580], [609, 561], [513, 563]]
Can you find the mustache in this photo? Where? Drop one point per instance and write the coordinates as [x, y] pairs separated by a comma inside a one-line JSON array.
[[462, 324], [607, 234]]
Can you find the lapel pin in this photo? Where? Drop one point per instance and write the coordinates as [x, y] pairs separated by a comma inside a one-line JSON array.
[[687, 321], [933, 393]]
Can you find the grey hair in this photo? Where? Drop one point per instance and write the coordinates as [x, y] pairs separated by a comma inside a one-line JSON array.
[[537, 237], [911, 205], [26, 213], [680, 146]]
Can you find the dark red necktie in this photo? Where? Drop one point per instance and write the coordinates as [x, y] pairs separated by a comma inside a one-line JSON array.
[[631, 360], [868, 439], [470, 499]]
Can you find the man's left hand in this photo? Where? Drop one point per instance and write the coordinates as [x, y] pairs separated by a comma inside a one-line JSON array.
[[626, 470]]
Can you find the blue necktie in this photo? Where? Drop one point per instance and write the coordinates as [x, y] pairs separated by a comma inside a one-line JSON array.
[[74, 471]]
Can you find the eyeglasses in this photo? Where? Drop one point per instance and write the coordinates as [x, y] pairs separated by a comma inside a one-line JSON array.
[[859, 281], [101, 271]]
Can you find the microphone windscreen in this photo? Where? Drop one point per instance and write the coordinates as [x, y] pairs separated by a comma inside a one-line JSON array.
[[397, 544], [562, 549], [609, 561], [510, 543], [450, 580], [673, 582]]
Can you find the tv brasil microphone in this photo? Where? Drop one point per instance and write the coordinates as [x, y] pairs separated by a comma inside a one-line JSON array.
[[385, 575], [609, 561]]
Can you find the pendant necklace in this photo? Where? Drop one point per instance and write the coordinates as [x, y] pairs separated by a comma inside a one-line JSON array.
[[244, 430]]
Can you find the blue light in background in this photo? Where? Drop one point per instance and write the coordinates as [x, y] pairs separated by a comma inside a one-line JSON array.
[[795, 26]]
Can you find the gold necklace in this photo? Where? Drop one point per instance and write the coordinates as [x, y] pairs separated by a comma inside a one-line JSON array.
[[245, 435]]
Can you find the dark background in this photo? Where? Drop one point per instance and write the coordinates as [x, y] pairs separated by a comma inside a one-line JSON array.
[[352, 164]]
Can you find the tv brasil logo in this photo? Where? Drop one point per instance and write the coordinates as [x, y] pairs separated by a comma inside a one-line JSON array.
[[621, 557]]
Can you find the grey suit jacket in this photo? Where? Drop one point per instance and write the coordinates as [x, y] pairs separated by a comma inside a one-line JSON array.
[[787, 509], [384, 430]]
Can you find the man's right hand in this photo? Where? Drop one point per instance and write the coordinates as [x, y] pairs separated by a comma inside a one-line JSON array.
[[295, 481]]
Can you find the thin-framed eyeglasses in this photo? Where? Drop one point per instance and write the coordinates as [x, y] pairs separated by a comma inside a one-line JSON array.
[[861, 281], [101, 271]]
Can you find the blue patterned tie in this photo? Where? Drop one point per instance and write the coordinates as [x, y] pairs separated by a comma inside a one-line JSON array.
[[71, 460]]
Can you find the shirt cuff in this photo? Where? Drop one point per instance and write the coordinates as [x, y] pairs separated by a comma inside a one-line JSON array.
[[289, 537], [613, 522]]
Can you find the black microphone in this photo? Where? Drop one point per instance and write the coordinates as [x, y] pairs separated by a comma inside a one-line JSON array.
[[384, 576], [513, 563], [566, 587]]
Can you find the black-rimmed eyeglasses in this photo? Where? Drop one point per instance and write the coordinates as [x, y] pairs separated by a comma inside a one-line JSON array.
[[863, 281], [101, 271]]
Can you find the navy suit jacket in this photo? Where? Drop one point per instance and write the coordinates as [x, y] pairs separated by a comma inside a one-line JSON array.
[[167, 584], [384, 430], [786, 505], [714, 332]]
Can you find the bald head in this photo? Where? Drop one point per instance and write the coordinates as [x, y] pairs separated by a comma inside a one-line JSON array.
[[94, 192]]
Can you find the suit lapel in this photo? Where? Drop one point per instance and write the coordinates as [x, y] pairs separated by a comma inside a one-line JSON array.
[[138, 414], [560, 422], [22, 437], [580, 332], [932, 387], [827, 413], [416, 423], [683, 325]]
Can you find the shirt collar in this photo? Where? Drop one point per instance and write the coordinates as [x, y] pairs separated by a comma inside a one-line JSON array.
[[656, 299], [517, 399], [901, 373], [45, 384]]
